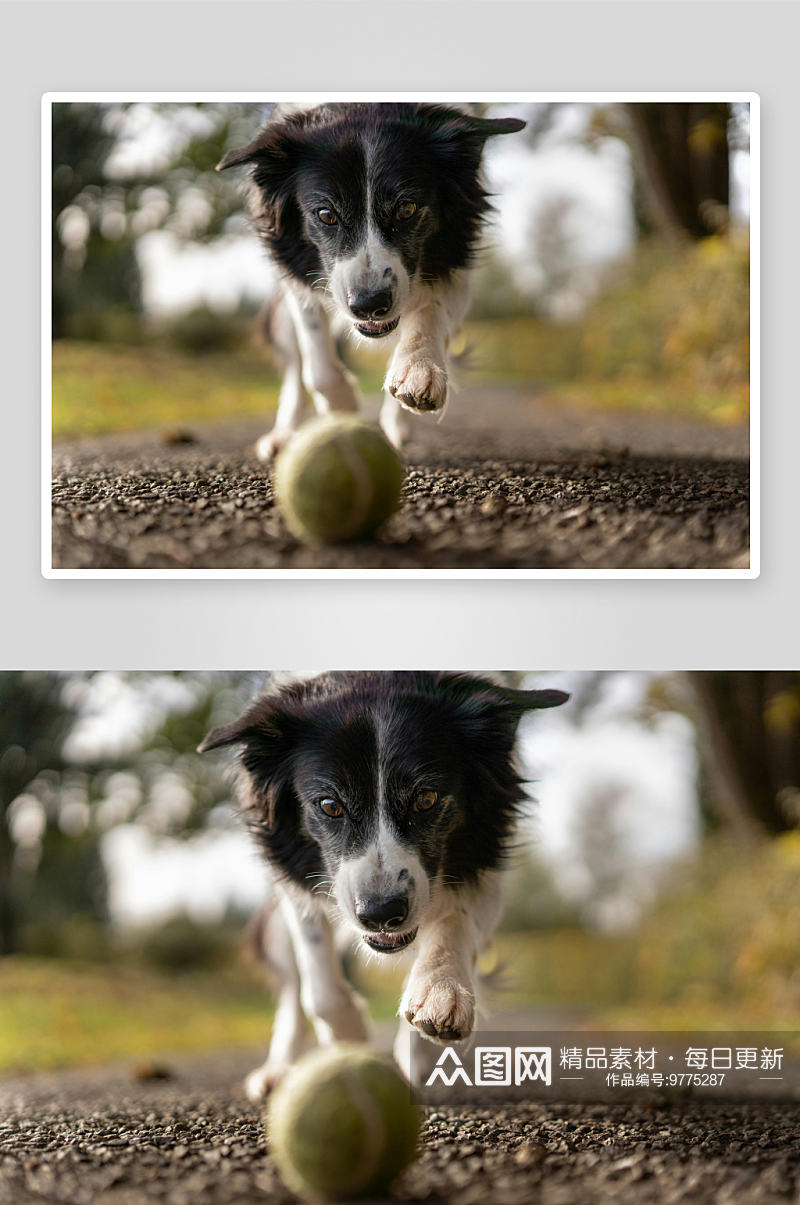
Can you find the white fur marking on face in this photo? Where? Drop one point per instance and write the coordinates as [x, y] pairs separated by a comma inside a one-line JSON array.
[[377, 872], [365, 272]]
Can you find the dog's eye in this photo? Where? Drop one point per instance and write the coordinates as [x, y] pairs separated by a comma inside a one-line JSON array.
[[405, 211], [332, 808], [328, 217], [424, 800]]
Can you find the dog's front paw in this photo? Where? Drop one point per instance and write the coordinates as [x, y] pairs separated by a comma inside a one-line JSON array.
[[268, 447], [440, 1008], [259, 1083], [419, 385]]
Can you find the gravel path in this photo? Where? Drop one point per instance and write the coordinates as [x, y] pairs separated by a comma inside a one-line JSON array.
[[106, 1138], [507, 480]]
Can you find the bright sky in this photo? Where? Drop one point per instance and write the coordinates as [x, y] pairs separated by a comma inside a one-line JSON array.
[[151, 878]]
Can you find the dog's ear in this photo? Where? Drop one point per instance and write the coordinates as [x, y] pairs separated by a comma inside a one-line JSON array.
[[274, 155], [225, 734], [238, 156], [456, 142], [272, 147], [520, 701], [237, 733], [454, 130], [486, 706], [488, 127], [485, 718], [268, 736], [266, 730], [477, 688]]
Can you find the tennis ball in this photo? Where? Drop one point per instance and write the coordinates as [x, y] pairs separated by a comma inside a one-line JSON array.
[[338, 478], [342, 1122]]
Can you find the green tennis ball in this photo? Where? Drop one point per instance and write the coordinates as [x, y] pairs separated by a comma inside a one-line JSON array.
[[341, 1123], [338, 478]]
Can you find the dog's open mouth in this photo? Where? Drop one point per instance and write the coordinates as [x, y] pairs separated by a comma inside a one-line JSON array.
[[376, 330], [389, 943]]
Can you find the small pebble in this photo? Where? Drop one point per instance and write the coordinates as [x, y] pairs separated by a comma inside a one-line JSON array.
[[493, 504]]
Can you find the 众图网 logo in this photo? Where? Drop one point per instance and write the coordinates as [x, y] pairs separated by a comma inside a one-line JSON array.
[[494, 1067]]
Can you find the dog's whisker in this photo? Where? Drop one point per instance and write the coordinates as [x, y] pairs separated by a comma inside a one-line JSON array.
[[325, 887]]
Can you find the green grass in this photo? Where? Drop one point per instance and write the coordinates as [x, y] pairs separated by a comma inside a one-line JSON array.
[[722, 407], [497, 349], [668, 334], [99, 387], [56, 1013], [717, 954], [611, 978], [549, 966]]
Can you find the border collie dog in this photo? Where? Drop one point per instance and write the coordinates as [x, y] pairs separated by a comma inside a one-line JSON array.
[[385, 804], [372, 213]]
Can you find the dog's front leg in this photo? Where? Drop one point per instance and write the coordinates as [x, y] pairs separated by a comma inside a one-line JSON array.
[[394, 426], [291, 1033], [439, 999], [293, 399], [331, 386], [417, 375], [333, 1008]]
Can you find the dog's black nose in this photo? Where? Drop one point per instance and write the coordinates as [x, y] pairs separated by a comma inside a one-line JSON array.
[[370, 305], [388, 914]]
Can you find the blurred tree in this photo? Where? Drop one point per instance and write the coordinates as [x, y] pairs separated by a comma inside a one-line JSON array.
[[61, 790], [34, 721], [601, 853], [560, 291], [680, 155], [496, 292], [749, 740], [681, 165], [747, 726], [94, 262], [533, 899], [157, 778], [102, 203]]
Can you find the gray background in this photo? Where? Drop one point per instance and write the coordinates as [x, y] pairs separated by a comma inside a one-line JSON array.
[[382, 44]]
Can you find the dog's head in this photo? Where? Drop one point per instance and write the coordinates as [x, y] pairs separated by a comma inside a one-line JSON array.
[[377, 789], [367, 199]]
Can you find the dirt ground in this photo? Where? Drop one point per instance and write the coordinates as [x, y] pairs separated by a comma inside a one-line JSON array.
[[104, 1137], [508, 480]]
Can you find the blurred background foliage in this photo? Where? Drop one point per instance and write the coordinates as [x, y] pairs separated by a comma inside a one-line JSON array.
[[59, 795], [101, 207], [710, 938], [661, 326]]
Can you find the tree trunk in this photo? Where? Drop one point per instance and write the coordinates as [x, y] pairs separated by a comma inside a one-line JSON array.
[[749, 726], [8, 927], [680, 153], [33, 723]]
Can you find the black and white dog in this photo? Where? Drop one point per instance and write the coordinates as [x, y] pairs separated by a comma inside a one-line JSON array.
[[372, 212], [385, 804]]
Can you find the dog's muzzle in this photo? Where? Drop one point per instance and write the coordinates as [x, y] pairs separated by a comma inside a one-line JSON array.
[[384, 917], [369, 309]]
